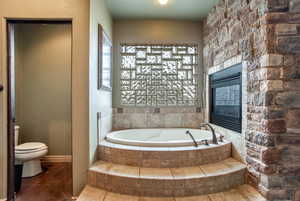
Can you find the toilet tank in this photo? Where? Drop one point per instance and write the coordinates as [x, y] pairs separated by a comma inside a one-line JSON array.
[[17, 132]]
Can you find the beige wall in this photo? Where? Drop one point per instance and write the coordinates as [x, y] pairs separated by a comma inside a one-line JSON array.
[[153, 32], [43, 85], [100, 101], [78, 12]]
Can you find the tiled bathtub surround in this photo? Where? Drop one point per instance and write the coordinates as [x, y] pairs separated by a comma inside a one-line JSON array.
[[167, 182], [166, 117], [166, 171], [163, 157]]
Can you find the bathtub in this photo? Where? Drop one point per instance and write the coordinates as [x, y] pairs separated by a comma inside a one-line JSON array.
[[172, 137]]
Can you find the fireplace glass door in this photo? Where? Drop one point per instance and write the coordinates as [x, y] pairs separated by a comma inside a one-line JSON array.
[[225, 98]]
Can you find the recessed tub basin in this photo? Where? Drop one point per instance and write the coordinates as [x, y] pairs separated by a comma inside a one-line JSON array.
[[166, 137]]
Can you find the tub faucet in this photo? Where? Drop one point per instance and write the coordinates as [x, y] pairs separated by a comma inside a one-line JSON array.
[[214, 139], [190, 134]]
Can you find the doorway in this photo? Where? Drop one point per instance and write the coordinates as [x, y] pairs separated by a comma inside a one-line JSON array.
[[39, 114]]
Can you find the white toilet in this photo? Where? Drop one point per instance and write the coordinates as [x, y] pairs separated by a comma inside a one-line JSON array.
[[29, 155]]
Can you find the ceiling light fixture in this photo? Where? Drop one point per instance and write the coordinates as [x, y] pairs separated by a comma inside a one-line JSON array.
[[163, 2]]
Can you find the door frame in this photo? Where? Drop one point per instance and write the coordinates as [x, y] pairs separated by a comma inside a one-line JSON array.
[[11, 95], [10, 112]]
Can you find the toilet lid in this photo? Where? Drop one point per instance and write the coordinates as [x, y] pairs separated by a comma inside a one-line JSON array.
[[30, 146]]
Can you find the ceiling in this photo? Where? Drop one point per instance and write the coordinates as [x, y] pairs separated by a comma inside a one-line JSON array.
[[151, 9]]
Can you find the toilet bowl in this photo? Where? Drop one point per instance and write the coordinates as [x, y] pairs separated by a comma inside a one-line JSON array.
[[29, 155]]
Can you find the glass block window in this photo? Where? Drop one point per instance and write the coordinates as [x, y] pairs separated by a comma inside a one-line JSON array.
[[159, 75]]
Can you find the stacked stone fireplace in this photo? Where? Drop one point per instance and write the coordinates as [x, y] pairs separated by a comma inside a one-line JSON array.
[[265, 36]]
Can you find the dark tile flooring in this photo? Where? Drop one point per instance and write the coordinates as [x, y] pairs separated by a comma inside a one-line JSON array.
[[54, 184]]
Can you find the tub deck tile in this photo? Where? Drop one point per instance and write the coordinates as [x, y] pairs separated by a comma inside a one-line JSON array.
[[156, 173], [119, 197], [157, 199], [195, 180], [232, 163], [92, 194], [217, 197], [101, 166], [215, 169], [193, 198], [220, 168], [186, 173], [124, 170], [234, 194], [250, 193]]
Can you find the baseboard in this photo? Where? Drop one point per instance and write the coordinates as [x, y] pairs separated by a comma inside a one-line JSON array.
[[57, 159]]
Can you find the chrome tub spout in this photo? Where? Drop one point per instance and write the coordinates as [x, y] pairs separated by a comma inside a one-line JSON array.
[[214, 137]]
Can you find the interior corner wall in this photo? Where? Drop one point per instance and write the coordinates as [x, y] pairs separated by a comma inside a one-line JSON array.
[[100, 100], [78, 12]]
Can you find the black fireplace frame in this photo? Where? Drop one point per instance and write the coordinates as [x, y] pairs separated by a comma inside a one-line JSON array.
[[228, 77]]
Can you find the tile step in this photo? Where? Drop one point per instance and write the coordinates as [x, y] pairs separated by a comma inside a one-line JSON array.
[[163, 157], [185, 181], [240, 193]]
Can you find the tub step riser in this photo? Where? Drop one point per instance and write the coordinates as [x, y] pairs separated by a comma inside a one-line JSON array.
[[165, 159], [241, 193], [166, 187]]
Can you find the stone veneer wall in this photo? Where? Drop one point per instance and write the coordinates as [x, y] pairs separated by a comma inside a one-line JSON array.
[[266, 33], [167, 117]]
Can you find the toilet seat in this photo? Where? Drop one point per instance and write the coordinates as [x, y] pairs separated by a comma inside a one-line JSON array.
[[30, 147], [29, 155]]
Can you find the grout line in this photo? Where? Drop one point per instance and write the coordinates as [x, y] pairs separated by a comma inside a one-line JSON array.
[[174, 198], [139, 172], [209, 197], [203, 171], [173, 178], [104, 197], [172, 174], [244, 196]]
